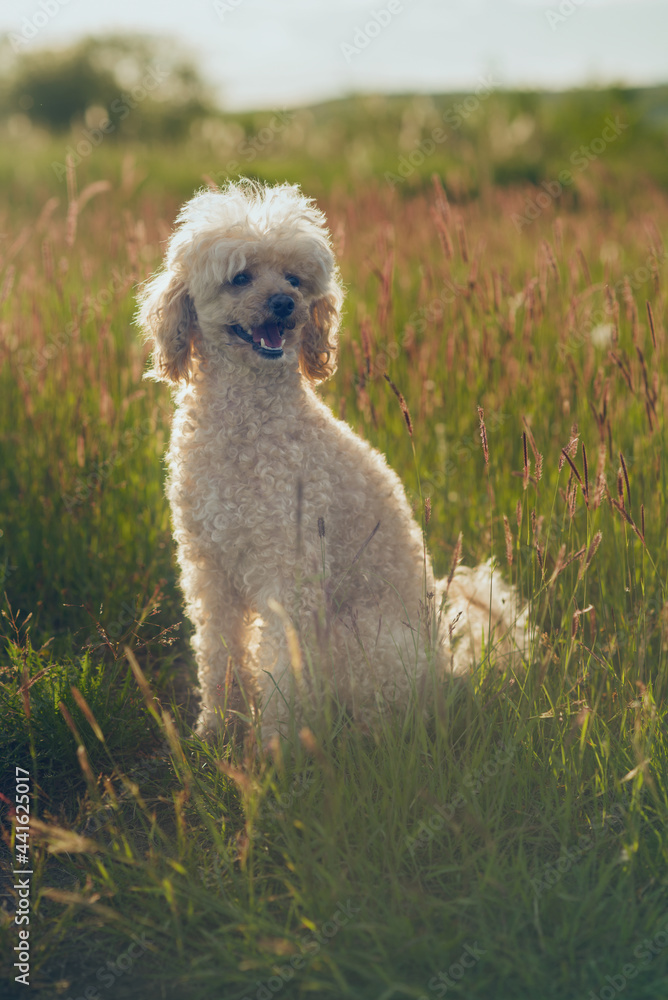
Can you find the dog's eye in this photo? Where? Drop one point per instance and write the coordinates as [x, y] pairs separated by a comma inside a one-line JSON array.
[[293, 280], [242, 278]]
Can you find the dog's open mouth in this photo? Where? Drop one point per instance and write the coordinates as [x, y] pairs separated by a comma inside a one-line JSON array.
[[267, 339]]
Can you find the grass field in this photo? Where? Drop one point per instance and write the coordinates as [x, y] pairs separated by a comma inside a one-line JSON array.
[[512, 847]]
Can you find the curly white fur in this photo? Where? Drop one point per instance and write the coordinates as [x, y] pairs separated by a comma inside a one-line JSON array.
[[286, 522]]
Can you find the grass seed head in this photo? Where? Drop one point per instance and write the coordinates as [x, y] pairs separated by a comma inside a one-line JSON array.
[[650, 317], [626, 478], [456, 556], [589, 554], [509, 540], [572, 500], [365, 336], [402, 404], [483, 434], [559, 563], [571, 448], [600, 477], [585, 489], [527, 471]]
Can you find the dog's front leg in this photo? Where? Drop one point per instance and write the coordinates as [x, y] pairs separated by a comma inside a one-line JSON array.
[[282, 650], [223, 628], [278, 676]]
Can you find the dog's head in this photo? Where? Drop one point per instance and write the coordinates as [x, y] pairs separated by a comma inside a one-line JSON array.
[[250, 280]]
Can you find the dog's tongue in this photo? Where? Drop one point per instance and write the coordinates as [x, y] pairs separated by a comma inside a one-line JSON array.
[[269, 332]]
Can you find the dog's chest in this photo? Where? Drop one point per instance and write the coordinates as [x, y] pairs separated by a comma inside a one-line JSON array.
[[260, 476]]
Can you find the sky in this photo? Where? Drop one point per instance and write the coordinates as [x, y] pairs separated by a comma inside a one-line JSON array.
[[263, 54]]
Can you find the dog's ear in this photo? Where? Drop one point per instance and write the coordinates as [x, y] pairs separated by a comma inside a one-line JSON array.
[[319, 343], [168, 316]]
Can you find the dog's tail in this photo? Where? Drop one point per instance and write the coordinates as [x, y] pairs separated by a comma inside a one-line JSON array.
[[481, 616]]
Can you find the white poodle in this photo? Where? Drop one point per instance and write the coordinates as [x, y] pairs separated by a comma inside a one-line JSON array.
[[303, 570]]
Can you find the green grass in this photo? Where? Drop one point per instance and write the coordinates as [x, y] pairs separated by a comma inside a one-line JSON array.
[[522, 827]]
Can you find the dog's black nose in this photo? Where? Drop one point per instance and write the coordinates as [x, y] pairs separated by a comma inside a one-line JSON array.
[[281, 305]]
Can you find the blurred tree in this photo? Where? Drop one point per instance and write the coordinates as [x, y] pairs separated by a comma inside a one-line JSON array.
[[55, 88], [117, 75]]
